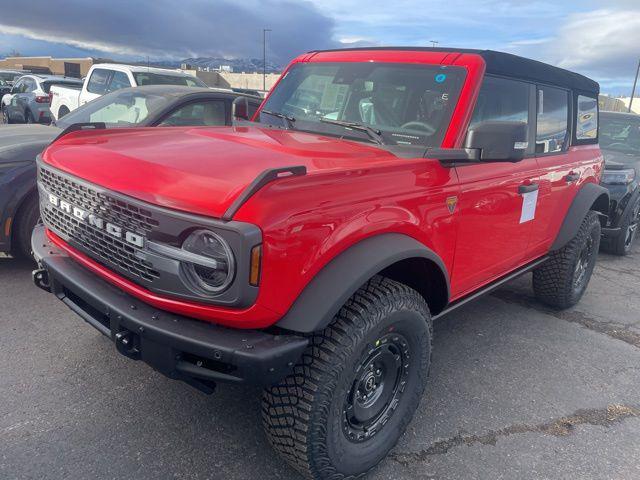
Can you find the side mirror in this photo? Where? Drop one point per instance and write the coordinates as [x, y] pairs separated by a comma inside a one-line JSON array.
[[240, 109], [498, 141]]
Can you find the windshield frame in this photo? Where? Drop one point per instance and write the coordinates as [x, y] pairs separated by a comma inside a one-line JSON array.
[[392, 135], [607, 120], [110, 99]]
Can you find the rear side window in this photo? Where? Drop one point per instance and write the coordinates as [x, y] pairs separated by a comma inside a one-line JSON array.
[[98, 81], [502, 100], [29, 85], [210, 114], [151, 78], [119, 80], [587, 118], [552, 120]]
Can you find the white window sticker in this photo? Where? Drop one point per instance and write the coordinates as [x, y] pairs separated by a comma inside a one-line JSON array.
[[529, 202]]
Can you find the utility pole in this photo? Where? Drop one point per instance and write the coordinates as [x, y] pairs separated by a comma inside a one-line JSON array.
[[634, 87], [434, 43], [264, 57]]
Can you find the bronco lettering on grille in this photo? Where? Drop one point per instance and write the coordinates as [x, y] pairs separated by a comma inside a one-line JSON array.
[[84, 216]]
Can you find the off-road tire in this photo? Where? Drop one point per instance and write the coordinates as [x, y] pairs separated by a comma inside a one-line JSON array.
[[556, 283], [5, 117], [622, 244], [27, 218], [304, 415], [28, 117]]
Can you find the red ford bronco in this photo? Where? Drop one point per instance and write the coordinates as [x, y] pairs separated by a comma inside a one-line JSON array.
[[309, 251]]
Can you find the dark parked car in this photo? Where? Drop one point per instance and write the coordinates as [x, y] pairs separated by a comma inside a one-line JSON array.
[[620, 144], [152, 106], [29, 101], [7, 78]]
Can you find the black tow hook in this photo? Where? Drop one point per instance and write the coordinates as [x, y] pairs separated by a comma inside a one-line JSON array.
[[41, 279], [126, 344]]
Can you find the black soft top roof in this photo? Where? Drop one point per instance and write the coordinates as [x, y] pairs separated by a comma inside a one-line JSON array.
[[508, 65]]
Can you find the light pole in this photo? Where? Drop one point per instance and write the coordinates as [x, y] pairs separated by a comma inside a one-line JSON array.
[[634, 87], [434, 43], [264, 58]]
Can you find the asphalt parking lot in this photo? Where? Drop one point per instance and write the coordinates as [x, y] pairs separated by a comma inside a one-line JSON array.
[[517, 392]]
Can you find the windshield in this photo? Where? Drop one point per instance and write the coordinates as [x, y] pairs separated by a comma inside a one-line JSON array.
[[150, 78], [406, 104], [620, 133], [122, 108]]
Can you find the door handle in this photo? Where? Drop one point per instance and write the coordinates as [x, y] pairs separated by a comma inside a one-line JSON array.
[[532, 187], [572, 177]]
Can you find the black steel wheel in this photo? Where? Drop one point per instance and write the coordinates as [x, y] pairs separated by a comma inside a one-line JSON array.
[[380, 381], [583, 263]]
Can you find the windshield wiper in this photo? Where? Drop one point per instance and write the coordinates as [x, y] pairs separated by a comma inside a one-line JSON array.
[[374, 133], [289, 120]]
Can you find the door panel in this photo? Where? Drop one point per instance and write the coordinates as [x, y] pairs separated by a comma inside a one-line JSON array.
[[491, 239], [558, 167]]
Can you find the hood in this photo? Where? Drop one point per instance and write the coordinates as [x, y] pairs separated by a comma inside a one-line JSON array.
[[614, 160], [24, 142], [199, 170]]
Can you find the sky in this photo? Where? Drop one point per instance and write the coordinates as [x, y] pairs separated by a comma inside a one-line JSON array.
[[599, 38]]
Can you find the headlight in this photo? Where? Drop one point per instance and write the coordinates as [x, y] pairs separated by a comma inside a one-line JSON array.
[[618, 177], [215, 273]]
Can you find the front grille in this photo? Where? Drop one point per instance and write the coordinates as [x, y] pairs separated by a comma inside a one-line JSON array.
[[100, 246], [106, 249], [113, 210]]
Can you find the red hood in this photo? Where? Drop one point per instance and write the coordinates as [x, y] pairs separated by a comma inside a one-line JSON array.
[[199, 170]]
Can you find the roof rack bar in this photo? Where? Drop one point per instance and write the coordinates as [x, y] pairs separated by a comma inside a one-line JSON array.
[[260, 181]]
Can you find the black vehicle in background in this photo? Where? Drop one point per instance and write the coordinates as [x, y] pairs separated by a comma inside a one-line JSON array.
[[152, 106], [620, 145]]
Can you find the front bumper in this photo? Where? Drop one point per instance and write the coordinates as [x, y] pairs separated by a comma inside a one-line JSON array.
[[178, 347]]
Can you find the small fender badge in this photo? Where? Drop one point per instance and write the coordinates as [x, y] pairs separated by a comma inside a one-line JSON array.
[[451, 204]]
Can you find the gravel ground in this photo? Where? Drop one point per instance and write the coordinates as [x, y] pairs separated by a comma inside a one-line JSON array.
[[517, 392]]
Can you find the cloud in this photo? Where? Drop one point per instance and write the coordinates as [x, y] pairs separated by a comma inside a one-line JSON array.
[[166, 29], [601, 43]]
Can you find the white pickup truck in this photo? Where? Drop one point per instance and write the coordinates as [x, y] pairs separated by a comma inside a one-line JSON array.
[[106, 77]]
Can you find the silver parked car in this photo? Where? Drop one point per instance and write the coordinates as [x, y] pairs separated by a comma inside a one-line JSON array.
[[28, 101]]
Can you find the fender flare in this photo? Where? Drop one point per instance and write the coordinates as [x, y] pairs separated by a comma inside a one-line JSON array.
[[590, 197], [630, 203], [329, 290]]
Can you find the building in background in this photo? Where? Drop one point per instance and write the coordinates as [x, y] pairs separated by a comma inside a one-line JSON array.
[[635, 106], [618, 104], [70, 67]]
